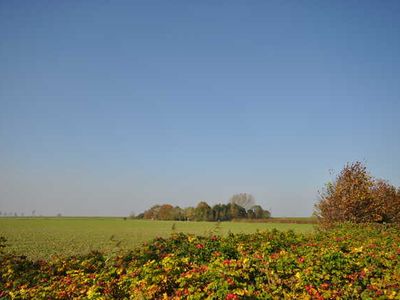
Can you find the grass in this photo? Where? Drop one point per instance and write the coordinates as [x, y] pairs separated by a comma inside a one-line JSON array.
[[297, 220], [41, 238]]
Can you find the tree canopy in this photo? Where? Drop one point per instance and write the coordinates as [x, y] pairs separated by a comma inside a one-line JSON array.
[[356, 196], [240, 206]]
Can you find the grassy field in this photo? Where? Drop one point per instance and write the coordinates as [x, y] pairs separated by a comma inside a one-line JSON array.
[[44, 237]]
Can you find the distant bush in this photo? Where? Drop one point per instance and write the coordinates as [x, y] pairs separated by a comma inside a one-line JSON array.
[[355, 196]]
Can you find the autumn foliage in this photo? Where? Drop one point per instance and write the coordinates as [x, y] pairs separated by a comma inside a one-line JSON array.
[[355, 196], [347, 262]]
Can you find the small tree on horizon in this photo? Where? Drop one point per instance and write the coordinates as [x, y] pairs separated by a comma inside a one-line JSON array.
[[244, 200]]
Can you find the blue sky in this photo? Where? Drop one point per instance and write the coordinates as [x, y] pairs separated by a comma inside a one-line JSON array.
[[110, 107]]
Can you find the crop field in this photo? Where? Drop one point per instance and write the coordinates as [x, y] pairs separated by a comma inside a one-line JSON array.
[[346, 262], [41, 238]]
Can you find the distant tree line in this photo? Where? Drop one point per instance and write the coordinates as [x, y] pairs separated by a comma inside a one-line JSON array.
[[15, 214], [10, 214], [240, 206]]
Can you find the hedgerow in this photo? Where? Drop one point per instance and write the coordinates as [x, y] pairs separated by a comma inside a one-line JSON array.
[[347, 262]]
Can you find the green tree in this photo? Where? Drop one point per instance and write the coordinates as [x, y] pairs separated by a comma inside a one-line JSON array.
[[219, 212], [178, 214], [236, 211], [258, 212], [203, 212]]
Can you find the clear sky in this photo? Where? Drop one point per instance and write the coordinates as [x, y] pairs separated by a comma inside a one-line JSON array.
[[108, 107]]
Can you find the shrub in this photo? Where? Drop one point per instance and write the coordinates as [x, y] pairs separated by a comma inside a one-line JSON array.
[[355, 196], [347, 262], [387, 198], [3, 241]]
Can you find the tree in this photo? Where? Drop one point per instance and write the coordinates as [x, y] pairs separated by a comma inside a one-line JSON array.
[[189, 213], [257, 212], [203, 212], [250, 214], [178, 214], [165, 212], [140, 216], [236, 211], [387, 201], [355, 196], [220, 212], [152, 213], [244, 200]]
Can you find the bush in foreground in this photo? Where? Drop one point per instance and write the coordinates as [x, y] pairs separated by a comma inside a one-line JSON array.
[[348, 262]]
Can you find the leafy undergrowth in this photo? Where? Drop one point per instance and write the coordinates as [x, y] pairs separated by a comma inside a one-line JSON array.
[[348, 262]]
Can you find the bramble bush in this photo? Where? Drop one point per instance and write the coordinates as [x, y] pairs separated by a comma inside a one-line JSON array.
[[3, 241], [355, 196], [347, 262]]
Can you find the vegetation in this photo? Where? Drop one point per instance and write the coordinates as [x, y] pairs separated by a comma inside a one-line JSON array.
[[355, 196], [244, 200], [348, 262], [282, 220], [342, 259], [241, 206], [41, 238]]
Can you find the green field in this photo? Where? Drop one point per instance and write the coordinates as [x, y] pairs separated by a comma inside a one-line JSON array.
[[44, 237]]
